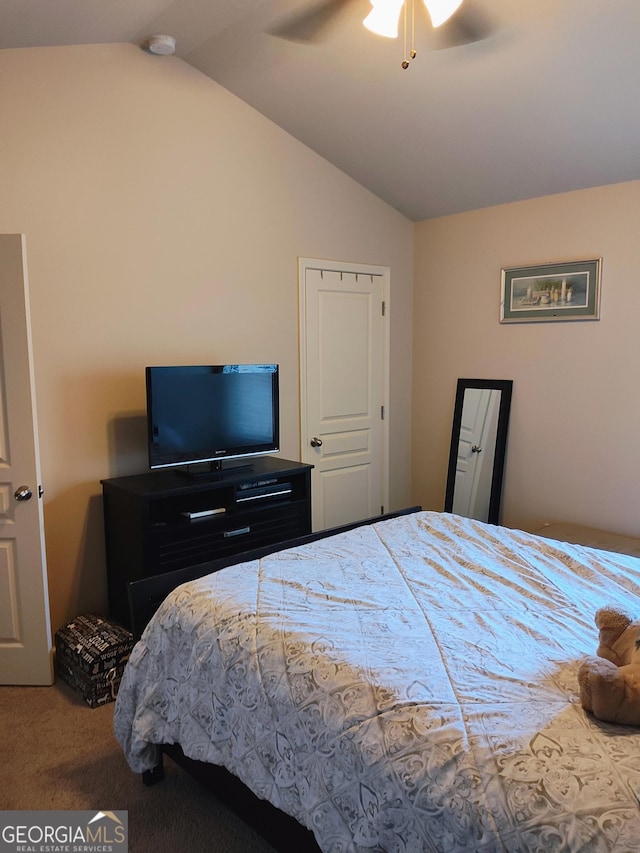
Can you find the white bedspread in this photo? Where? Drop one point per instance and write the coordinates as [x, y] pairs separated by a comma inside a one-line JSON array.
[[407, 686]]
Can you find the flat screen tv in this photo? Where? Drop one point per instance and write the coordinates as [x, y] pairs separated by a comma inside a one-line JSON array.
[[205, 414]]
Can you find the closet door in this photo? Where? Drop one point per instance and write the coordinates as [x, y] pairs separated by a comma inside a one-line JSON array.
[[344, 317], [25, 631]]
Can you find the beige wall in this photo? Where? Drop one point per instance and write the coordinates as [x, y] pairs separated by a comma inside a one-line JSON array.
[[164, 219], [571, 455]]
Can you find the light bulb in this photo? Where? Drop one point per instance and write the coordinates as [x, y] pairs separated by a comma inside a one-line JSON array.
[[383, 18]]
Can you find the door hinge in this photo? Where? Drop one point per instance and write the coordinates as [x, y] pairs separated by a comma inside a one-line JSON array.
[[384, 308], [381, 510], [381, 413]]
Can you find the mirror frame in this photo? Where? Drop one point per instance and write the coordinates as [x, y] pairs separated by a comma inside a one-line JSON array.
[[506, 387]]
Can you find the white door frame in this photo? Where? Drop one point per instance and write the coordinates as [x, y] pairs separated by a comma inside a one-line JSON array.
[[356, 269]]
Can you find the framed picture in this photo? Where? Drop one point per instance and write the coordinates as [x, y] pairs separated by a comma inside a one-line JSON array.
[[551, 292]]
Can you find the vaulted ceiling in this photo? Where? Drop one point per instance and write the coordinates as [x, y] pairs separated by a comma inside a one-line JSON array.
[[547, 102]]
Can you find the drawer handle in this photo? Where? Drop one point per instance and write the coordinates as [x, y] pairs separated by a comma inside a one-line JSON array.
[[238, 532]]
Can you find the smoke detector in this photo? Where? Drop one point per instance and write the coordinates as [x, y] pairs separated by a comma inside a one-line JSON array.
[[161, 45]]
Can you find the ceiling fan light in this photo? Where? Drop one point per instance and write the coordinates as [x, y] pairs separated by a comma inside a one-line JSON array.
[[441, 10], [383, 18]]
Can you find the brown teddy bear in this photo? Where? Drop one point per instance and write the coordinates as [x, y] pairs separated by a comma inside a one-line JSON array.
[[610, 683]]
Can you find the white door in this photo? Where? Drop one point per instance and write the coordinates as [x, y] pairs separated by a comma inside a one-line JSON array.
[[344, 387], [476, 451], [25, 630]]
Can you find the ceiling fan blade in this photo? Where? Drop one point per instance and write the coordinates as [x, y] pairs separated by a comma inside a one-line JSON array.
[[309, 24], [468, 24]]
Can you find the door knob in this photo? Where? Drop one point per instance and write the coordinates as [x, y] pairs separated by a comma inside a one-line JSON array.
[[23, 493], [316, 442], [476, 449]]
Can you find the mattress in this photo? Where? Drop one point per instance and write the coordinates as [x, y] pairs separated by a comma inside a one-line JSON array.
[[406, 686]]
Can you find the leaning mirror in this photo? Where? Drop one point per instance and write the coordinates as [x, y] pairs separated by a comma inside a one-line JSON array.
[[478, 445]]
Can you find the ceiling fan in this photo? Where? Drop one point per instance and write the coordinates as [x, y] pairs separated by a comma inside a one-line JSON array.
[[464, 21]]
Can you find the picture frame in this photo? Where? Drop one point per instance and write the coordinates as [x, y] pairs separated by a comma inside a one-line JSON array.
[[553, 292]]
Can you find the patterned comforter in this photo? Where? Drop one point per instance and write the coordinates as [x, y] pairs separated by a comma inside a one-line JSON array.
[[405, 686]]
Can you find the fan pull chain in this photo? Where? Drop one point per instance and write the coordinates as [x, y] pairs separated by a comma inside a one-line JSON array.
[[412, 52]]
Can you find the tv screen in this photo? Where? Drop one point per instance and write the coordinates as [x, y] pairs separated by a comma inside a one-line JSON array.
[[208, 413]]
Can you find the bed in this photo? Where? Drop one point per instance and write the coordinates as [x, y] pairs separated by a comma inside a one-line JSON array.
[[409, 685]]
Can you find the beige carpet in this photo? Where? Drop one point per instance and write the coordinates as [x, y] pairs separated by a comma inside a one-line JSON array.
[[57, 753]]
